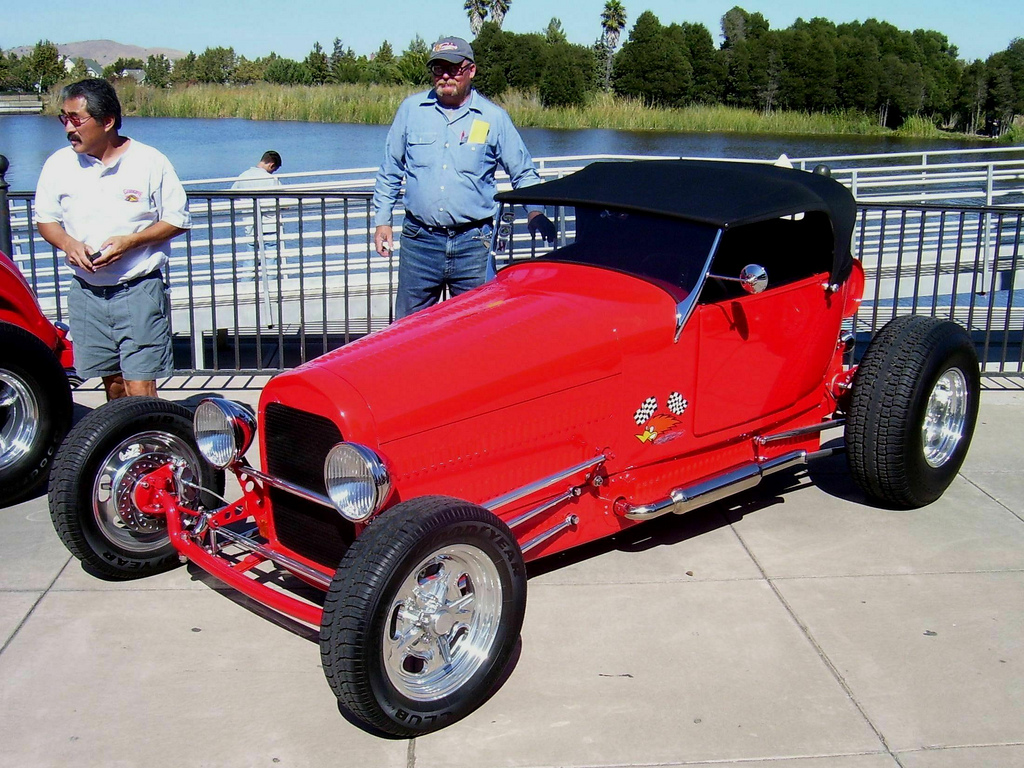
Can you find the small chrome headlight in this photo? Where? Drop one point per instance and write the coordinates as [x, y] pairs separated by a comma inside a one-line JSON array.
[[224, 431], [357, 481]]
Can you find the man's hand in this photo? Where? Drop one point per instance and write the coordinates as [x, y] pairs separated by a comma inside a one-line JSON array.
[[112, 250], [539, 224], [78, 253], [383, 240]]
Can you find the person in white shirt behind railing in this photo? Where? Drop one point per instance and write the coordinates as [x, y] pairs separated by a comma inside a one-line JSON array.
[[259, 177], [112, 205]]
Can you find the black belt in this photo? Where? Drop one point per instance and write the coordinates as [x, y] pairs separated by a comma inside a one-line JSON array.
[[454, 229], [106, 291]]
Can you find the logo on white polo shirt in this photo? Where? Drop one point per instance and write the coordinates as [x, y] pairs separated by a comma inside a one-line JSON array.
[[132, 195]]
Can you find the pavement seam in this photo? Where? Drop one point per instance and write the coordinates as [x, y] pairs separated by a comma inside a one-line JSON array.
[[817, 648], [410, 754], [986, 493], [31, 610]]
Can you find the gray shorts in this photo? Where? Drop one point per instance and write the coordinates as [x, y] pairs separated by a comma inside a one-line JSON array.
[[122, 328]]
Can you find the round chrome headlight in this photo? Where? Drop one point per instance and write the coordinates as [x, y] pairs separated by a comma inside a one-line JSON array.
[[357, 481], [224, 431]]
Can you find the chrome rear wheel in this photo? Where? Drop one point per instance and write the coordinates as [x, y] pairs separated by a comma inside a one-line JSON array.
[[945, 417]]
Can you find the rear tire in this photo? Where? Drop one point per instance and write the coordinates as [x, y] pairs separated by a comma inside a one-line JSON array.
[[423, 615], [913, 409], [94, 476], [35, 412]]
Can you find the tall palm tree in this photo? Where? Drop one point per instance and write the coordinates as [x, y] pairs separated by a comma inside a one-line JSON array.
[[498, 10], [613, 21], [477, 11]]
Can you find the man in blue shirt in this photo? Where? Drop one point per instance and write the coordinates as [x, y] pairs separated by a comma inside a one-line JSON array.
[[448, 144]]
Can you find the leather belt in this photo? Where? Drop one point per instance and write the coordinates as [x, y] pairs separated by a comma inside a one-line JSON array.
[[106, 291], [454, 229]]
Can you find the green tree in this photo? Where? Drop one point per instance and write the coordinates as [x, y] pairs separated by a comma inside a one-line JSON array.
[[5, 71], [498, 9], [383, 66], [285, 71], [858, 71], [248, 72], [527, 60], [1006, 84], [752, 60], [185, 69], [158, 71], [44, 65], [738, 25], [215, 65], [319, 65], [651, 66], [972, 97], [345, 67], [412, 64], [120, 67], [563, 83], [554, 33], [477, 12], [493, 49], [808, 80], [613, 21], [707, 63]]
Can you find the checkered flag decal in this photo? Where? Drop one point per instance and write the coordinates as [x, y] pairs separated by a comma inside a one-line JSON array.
[[645, 411], [676, 403]]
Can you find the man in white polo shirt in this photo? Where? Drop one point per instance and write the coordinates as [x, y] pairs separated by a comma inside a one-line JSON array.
[[112, 204]]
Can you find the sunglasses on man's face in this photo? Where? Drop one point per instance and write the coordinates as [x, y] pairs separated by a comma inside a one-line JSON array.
[[450, 70], [75, 120]]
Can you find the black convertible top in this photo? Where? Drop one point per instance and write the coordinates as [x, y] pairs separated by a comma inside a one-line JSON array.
[[721, 194]]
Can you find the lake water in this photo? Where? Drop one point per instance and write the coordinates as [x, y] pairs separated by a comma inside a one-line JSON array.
[[202, 149]]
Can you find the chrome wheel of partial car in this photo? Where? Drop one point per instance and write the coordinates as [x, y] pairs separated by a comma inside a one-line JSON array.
[[912, 411], [35, 412], [423, 615], [945, 417], [94, 478], [19, 418]]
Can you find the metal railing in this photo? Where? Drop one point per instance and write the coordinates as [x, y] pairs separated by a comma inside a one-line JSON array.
[[250, 297]]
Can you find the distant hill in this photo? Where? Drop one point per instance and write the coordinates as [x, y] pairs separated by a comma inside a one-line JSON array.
[[105, 52]]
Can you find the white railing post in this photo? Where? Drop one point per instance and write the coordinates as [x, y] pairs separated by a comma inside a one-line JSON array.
[[989, 181]]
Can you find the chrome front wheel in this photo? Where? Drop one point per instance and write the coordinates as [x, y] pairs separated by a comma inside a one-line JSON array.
[[443, 622], [95, 474], [423, 615], [113, 506]]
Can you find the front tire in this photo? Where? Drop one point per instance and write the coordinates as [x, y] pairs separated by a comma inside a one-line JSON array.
[[423, 615], [94, 477], [35, 412], [913, 409]]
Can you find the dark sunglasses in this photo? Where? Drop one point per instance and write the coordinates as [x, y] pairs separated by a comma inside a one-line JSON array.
[[452, 70], [75, 120]]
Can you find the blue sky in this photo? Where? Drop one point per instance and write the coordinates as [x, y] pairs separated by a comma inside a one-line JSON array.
[[291, 27]]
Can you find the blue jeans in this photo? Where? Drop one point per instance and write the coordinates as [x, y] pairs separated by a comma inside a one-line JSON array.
[[430, 261]]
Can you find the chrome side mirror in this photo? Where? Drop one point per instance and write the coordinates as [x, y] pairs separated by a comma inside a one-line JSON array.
[[753, 278]]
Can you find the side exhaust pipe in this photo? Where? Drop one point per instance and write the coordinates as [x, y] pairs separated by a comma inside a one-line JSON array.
[[721, 486]]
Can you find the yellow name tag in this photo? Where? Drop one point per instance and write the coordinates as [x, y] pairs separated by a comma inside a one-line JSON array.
[[478, 132]]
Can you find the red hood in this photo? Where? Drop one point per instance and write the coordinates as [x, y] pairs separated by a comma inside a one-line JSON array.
[[538, 329]]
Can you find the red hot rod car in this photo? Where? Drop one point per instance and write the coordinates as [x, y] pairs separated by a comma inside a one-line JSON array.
[[682, 342], [35, 394]]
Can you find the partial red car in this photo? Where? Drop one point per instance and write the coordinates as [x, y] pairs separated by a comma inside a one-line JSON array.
[[684, 340], [35, 393]]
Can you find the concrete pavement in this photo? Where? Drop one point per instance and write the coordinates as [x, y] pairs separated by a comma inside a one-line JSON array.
[[791, 627]]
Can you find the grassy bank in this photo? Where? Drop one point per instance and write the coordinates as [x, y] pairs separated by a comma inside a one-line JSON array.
[[376, 104]]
